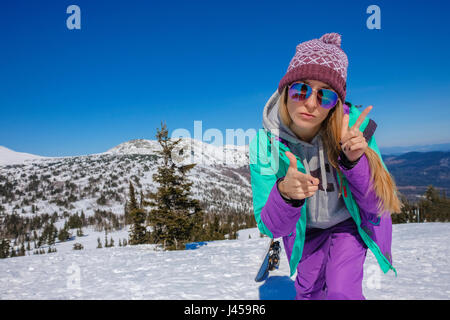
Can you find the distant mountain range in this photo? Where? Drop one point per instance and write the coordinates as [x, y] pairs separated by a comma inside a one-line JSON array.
[[143, 146], [415, 171], [417, 148]]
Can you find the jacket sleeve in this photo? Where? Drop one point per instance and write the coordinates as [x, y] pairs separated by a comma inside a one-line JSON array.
[[279, 216], [274, 217], [359, 183]]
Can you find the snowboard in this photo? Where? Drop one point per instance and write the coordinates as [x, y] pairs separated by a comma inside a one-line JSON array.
[[270, 260]]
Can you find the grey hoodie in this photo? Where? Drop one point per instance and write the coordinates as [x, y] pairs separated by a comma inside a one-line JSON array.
[[325, 207]]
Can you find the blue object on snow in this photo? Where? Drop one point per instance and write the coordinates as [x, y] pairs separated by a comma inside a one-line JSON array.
[[195, 245], [278, 288]]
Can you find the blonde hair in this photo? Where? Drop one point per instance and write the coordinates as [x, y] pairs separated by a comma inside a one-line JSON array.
[[381, 180]]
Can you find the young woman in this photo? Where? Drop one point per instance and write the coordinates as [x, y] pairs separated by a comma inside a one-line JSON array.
[[318, 179]]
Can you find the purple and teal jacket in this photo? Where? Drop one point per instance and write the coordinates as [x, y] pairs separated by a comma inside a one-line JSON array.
[[277, 218]]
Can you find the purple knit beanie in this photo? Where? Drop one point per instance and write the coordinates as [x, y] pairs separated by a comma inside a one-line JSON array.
[[319, 59]]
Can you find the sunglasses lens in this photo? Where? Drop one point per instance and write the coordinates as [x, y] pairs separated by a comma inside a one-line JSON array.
[[300, 91], [327, 98]]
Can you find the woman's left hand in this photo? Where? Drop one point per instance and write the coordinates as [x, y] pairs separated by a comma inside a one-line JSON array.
[[353, 143]]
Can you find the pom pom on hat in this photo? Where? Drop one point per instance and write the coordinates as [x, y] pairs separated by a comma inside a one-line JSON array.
[[332, 38]]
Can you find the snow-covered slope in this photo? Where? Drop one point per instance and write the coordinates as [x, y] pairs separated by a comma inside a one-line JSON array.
[[195, 151], [136, 146], [75, 184], [218, 270], [8, 156]]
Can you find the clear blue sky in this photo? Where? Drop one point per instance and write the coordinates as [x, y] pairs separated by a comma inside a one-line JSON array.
[[135, 63]]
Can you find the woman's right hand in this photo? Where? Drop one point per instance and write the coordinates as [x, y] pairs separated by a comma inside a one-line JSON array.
[[296, 184]]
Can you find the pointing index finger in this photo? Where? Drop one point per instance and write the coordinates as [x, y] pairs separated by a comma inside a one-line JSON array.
[[307, 179], [361, 117]]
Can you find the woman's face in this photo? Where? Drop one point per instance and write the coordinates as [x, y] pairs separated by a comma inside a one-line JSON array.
[[299, 110]]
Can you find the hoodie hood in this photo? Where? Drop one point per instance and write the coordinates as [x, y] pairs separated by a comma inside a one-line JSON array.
[[272, 121]]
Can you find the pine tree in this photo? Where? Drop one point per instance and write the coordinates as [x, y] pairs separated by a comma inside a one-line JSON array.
[[83, 218], [22, 250], [175, 217], [99, 243], [4, 248], [406, 211], [136, 216], [39, 243], [106, 240], [141, 200], [431, 194], [54, 234], [131, 204], [138, 232], [64, 234]]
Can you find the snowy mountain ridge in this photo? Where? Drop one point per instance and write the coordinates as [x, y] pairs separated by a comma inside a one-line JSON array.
[[8, 156], [100, 181], [197, 151]]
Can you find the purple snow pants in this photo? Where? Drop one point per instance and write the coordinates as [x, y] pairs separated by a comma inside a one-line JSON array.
[[332, 263]]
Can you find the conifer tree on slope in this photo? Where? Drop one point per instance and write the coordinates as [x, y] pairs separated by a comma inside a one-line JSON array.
[[137, 216], [175, 217]]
